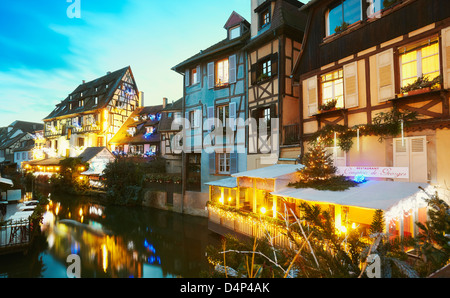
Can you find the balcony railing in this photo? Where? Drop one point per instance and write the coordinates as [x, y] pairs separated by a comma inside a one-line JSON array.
[[252, 227], [291, 134]]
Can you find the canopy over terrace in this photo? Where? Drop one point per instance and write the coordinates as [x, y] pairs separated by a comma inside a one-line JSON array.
[[403, 203], [249, 190], [47, 166]]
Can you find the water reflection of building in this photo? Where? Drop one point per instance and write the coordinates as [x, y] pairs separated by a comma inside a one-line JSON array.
[[102, 254], [144, 244]]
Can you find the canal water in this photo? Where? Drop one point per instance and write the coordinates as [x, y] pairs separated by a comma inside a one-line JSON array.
[[113, 241]]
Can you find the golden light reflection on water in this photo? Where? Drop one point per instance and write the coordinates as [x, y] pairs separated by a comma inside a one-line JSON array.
[[101, 253]]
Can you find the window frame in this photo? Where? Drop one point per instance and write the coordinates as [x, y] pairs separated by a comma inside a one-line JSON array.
[[340, 77], [264, 18], [418, 59], [330, 31], [225, 70], [223, 163]]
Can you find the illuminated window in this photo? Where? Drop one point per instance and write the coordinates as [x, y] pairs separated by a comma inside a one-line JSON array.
[[420, 59], [333, 88], [343, 13], [224, 163], [222, 72]]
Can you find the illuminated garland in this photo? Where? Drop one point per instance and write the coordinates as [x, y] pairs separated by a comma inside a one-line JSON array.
[[384, 124], [249, 218]]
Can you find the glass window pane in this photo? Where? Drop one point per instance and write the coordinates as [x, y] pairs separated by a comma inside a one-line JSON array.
[[334, 18], [352, 11], [409, 70], [430, 64]]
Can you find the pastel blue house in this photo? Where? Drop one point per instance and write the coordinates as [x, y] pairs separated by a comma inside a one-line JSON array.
[[215, 108]]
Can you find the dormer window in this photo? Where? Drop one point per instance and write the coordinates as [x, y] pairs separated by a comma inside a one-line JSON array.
[[235, 32], [81, 103], [264, 18], [96, 100]]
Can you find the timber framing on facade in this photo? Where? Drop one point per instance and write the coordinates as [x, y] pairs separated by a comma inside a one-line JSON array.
[[364, 67], [92, 114], [214, 92], [277, 30]]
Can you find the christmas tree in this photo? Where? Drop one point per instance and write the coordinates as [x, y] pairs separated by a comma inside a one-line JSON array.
[[318, 164], [319, 172], [377, 225]]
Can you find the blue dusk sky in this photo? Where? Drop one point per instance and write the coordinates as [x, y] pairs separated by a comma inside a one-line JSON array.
[[45, 54]]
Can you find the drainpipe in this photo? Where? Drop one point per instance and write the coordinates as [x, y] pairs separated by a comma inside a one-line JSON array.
[[183, 154]]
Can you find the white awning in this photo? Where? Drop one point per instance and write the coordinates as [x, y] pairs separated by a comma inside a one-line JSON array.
[[227, 182], [6, 181], [371, 194], [273, 171]]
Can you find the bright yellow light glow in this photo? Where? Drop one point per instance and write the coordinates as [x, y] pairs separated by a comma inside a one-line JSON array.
[[105, 257], [221, 200], [343, 229], [263, 210], [353, 226], [229, 199], [81, 178], [80, 212]]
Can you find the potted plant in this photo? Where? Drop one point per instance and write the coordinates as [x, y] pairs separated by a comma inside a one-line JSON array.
[[328, 106], [421, 85], [341, 28]]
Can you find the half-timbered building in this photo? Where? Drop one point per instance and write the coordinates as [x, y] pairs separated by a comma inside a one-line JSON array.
[[213, 143], [92, 114], [139, 136], [168, 128], [276, 32], [374, 80]]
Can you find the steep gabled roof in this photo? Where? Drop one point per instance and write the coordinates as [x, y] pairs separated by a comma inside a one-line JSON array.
[[166, 122], [234, 20], [102, 87], [220, 47], [91, 152], [286, 14]]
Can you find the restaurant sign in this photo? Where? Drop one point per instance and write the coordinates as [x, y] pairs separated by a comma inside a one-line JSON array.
[[378, 172]]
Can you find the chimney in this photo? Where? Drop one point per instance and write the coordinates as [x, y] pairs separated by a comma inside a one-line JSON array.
[[84, 81], [164, 102], [108, 72], [141, 98]]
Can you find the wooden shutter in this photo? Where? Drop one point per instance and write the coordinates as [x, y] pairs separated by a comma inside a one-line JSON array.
[[274, 64], [210, 115], [385, 75], [253, 74], [351, 85], [418, 160], [186, 78], [232, 69], [233, 162], [232, 115], [311, 95], [212, 163], [210, 75], [401, 155], [199, 75], [445, 35], [253, 132]]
